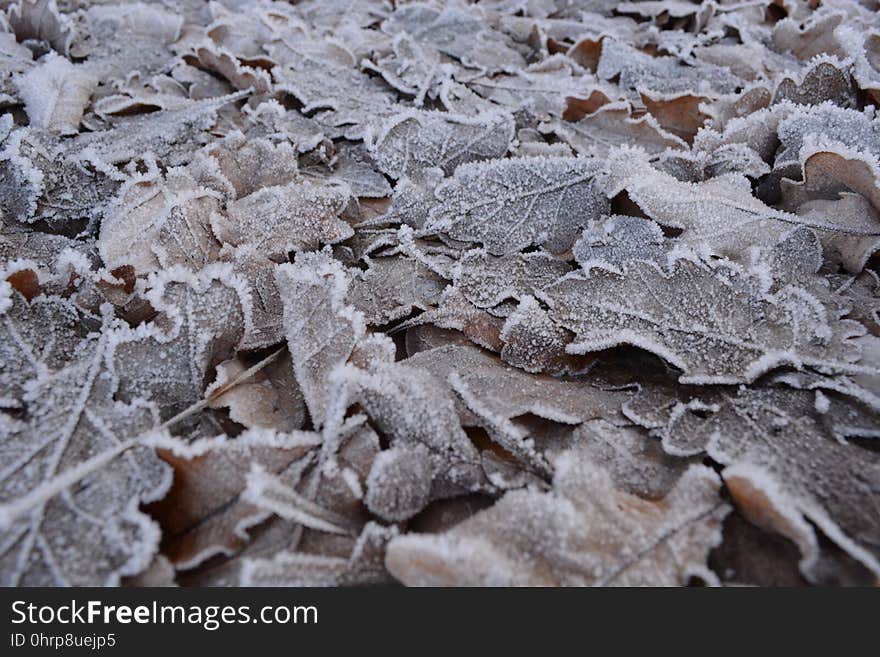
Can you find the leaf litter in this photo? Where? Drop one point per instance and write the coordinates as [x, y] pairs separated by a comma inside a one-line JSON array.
[[282, 284]]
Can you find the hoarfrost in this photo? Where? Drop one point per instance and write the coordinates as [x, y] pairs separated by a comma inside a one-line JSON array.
[[342, 294]]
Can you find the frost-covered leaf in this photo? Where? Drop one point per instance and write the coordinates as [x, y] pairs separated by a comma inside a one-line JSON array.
[[863, 291], [116, 39], [747, 120], [826, 79], [265, 306], [495, 395], [486, 280], [269, 399], [382, 272], [833, 150], [280, 540], [636, 461], [716, 324], [184, 237], [531, 143], [454, 311], [271, 493], [392, 287], [810, 37], [56, 93], [363, 565], [400, 482], [171, 136], [137, 95], [612, 243], [708, 160], [501, 393], [321, 329], [15, 59], [719, 216], [297, 216], [785, 467], [660, 11], [202, 513], [224, 63], [40, 20], [534, 342], [248, 165], [92, 533], [413, 141], [40, 181], [412, 201], [352, 165], [680, 116], [584, 532], [637, 71], [852, 129], [541, 89], [412, 69], [417, 413], [829, 170], [852, 252], [613, 125], [332, 15], [511, 204], [202, 318], [272, 118], [859, 45], [37, 337], [324, 76], [159, 221], [457, 33]]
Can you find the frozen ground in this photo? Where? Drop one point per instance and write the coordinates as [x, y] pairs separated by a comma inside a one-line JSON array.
[[540, 292]]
